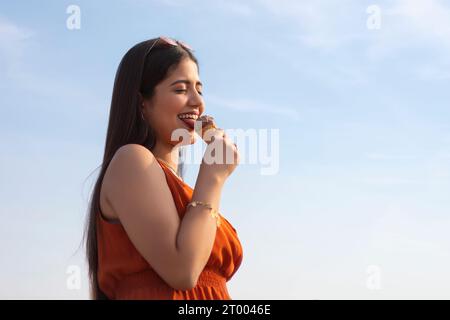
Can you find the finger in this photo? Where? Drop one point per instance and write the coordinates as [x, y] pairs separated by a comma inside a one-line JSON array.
[[207, 121], [219, 132]]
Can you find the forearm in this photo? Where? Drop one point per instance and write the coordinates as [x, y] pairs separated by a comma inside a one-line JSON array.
[[198, 228]]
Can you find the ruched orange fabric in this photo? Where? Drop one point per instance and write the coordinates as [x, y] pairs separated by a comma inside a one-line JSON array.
[[124, 274]]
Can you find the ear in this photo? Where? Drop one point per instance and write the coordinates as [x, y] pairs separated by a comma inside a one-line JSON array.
[[145, 104], [140, 98], [146, 107]]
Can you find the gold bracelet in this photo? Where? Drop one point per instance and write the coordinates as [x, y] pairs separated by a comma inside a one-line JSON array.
[[214, 213]]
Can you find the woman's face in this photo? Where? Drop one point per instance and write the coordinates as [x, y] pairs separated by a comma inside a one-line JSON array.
[[179, 93]]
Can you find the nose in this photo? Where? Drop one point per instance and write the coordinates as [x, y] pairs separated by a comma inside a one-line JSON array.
[[196, 101]]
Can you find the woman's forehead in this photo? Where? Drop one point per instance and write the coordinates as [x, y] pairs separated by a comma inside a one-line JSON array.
[[187, 70]]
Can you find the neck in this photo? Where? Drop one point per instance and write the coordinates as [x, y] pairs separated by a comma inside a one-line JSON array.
[[168, 153]]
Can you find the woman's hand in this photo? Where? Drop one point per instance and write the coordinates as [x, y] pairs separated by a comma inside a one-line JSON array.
[[203, 130], [221, 155]]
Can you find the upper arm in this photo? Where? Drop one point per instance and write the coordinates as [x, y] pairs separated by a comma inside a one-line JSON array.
[[139, 195]]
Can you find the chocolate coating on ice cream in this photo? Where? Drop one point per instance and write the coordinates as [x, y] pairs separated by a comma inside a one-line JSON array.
[[207, 123]]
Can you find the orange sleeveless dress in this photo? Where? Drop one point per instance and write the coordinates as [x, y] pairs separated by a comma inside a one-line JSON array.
[[124, 274]]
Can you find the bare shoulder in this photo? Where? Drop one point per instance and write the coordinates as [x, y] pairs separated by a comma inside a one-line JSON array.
[[128, 162], [134, 153], [140, 197]]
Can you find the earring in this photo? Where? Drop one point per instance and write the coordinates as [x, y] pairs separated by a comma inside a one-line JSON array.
[[142, 116]]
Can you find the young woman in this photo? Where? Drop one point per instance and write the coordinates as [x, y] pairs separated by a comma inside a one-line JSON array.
[[149, 234]]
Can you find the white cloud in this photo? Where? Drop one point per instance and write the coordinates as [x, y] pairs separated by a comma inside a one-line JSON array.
[[172, 3], [384, 156], [434, 168], [17, 45], [234, 7], [388, 180], [438, 167], [400, 229], [239, 8], [426, 18], [407, 28], [13, 42], [318, 24], [432, 72], [414, 24], [329, 25], [247, 105], [411, 246]]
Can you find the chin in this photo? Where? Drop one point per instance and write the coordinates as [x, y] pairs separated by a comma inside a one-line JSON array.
[[186, 137], [193, 138]]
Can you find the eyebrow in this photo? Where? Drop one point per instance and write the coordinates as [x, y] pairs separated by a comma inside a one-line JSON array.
[[185, 81]]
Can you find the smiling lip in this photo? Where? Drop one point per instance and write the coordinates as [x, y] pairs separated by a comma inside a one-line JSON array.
[[189, 123], [191, 112]]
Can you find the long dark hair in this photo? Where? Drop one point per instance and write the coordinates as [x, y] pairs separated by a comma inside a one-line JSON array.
[[136, 77]]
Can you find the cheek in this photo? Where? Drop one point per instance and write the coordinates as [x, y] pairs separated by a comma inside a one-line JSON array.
[[174, 102], [169, 108]]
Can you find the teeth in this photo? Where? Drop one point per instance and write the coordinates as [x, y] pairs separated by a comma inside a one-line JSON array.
[[188, 116]]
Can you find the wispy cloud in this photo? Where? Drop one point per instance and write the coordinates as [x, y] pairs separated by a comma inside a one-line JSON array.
[[413, 24], [229, 6], [433, 168], [402, 229], [17, 44], [432, 72], [429, 19], [388, 180], [247, 105], [319, 24], [13, 42], [438, 166], [334, 27], [235, 7], [384, 156], [330, 25]]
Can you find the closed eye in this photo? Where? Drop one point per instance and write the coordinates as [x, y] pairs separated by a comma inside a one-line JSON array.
[[183, 90]]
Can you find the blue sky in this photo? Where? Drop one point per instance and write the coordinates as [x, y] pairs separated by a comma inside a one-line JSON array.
[[364, 146]]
